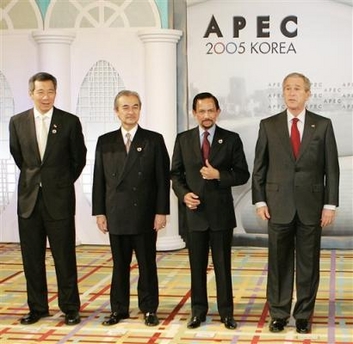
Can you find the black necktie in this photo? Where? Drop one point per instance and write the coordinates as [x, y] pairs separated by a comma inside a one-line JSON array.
[[295, 137], [205, 146]]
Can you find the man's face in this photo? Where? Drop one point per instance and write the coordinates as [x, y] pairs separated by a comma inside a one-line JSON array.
[[43, 95], [128, 111], [206, 113], [295, 95]]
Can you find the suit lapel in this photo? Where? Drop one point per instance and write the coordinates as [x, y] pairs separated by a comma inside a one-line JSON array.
[[309, 129], [138, 145], [55, 126], [195, 144], [218, 140], [283, 133], [31, 127]]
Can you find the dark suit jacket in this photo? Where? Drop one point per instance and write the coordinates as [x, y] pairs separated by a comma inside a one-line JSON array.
[[303, 185], [216, 210], [131, 190], [63, 161]]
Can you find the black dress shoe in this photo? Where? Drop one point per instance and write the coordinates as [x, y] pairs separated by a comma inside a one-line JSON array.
[[196, 321], [72, 318], [278, 324], [33, 317], [151, 319], [114, 318], [229, 323], [302, 325]]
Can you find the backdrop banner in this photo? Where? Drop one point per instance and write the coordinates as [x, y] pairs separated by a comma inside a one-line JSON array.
[[241, 50]]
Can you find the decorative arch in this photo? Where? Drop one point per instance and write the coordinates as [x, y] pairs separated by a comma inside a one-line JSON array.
[[102, 14], [13, 18]]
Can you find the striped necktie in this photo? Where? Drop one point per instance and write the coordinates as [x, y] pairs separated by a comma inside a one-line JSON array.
[[128, 142]]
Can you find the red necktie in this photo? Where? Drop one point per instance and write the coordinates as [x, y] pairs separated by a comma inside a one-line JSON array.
[[295, 137], [205, 146]]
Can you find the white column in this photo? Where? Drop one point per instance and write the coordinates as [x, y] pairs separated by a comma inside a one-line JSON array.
[[54, 57], [160, 110]]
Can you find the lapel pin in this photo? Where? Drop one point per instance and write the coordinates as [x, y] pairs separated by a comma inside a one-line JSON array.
[[313, 125], [220, 141], [139, 149], [54, 131]]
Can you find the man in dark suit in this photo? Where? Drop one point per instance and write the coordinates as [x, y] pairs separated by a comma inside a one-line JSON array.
[[295, 188], [131, 190], [207, 161], [48, 147]]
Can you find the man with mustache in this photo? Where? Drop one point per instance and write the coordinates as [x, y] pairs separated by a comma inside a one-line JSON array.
[[207, 161]]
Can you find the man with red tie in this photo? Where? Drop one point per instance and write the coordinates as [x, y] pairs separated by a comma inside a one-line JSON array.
[[295, 188], [207, 161]]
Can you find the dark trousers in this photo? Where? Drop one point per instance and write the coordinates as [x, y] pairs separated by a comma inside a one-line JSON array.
[[294, 247], [122, 247], [34, 232], [199, 244]]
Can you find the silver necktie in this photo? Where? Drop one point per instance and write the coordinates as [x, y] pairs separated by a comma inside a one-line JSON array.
[[128, 142], [43, 136]]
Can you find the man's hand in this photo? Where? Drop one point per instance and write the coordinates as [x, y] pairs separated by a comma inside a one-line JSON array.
[[191, 200], [101, 221], [160, 221], [209, 172], [327, 217], [263, 213]]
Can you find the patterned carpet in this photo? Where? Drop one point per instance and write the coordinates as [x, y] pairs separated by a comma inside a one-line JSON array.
[[332, 321]]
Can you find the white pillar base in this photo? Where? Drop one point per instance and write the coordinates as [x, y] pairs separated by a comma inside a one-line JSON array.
[[160, 109], [170, 243]]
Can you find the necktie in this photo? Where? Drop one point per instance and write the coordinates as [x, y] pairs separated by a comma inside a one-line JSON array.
[[128, 142], [205, 146], [295, 137], [43, 135]]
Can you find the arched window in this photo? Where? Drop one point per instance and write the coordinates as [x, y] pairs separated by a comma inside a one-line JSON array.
[[8, 169], [95, 105]]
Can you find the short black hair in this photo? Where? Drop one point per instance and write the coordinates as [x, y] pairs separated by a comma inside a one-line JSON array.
[[204, 95]]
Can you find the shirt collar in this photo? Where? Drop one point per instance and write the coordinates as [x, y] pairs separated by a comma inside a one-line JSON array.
[[301, 116], [132, 132], [210, 130], [48, 114]]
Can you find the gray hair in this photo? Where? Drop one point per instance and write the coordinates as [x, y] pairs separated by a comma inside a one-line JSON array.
[[127, 93], [307, 83]]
